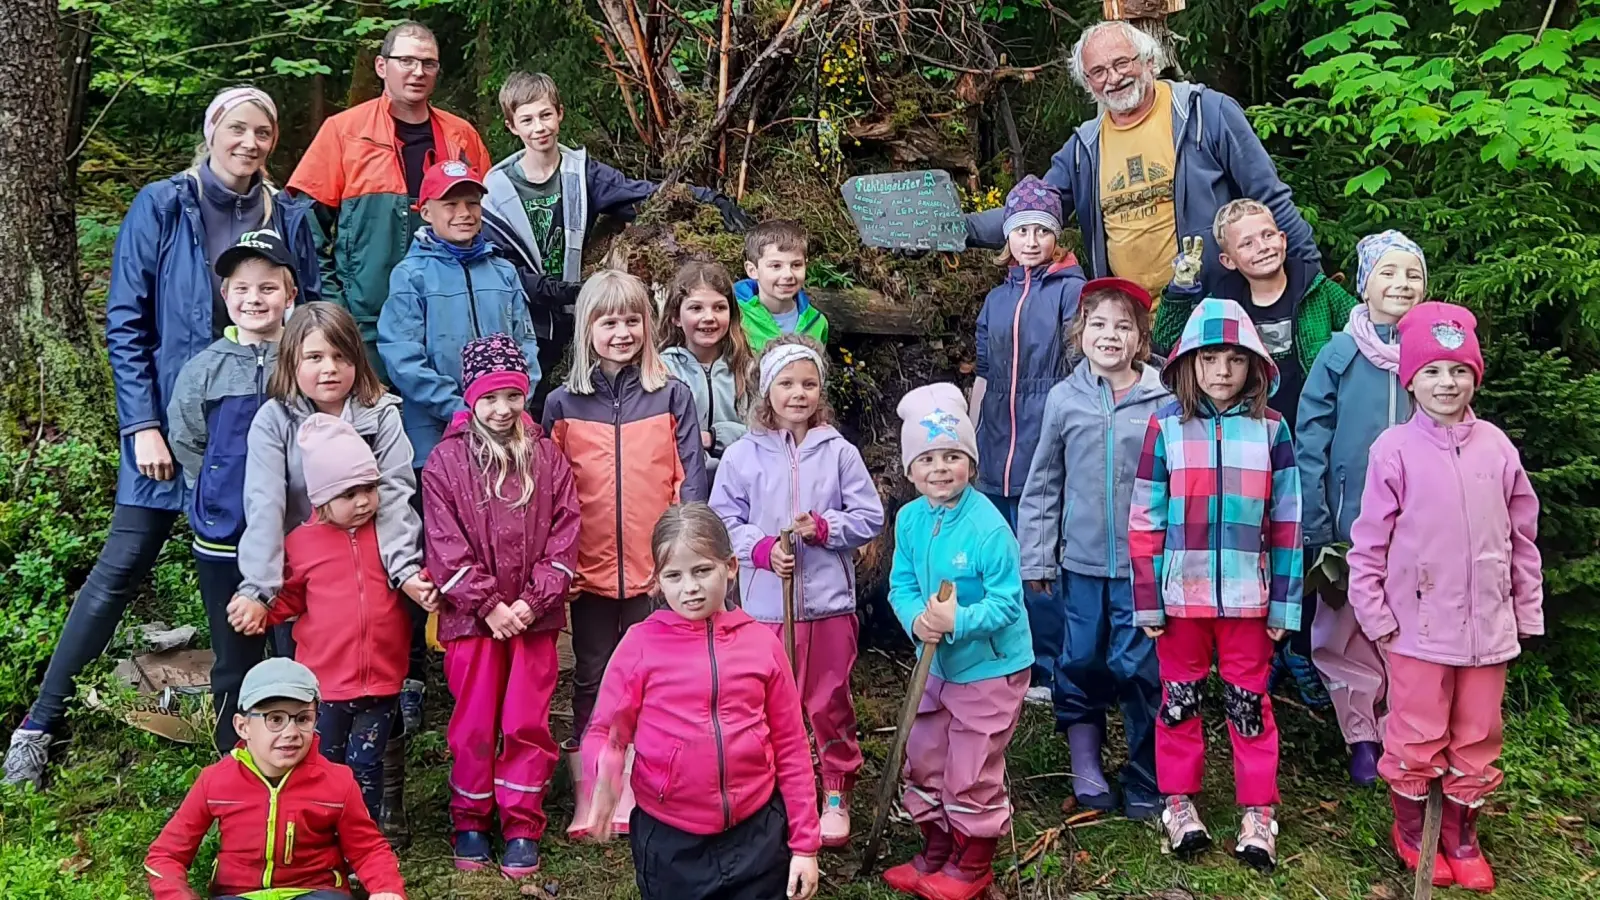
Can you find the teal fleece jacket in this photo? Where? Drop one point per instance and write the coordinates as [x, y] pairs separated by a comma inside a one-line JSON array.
[[971, 546]]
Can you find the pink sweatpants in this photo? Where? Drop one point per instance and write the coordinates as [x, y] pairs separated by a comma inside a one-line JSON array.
[[1352, 668], [956, 754], [502, 691], [824, 655], [1444, 721], [1244, 656]]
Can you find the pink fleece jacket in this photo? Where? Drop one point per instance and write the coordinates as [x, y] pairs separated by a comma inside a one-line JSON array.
[[712, 711], [1444, 547]]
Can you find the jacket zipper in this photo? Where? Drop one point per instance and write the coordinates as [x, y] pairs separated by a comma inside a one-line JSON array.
[[288, 844], [716, 726], [1472, 569], [272, 820], [1216, 525], [711, 403], [472, 301], [1016, 353], [616, 431], [794, 510], [361, 614], [1107, 401]]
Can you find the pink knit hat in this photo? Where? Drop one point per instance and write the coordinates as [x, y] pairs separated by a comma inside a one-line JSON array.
[[1434, 331], [333, 458], [934, 417]]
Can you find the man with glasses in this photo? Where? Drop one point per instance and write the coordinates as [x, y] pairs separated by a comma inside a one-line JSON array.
[[364, 169], [1156, 164], [282, 836]]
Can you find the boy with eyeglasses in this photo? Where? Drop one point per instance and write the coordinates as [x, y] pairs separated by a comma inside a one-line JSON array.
[[292, 824]]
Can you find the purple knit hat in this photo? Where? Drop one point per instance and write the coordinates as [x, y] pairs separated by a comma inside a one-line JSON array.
[[491, 363], [1032, 202]]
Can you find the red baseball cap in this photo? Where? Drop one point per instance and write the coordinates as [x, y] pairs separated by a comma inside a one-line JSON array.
[[445, 177], [1122, 285]]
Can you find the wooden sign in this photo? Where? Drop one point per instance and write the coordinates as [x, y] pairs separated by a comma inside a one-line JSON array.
[[907, 211], [1140, 9]]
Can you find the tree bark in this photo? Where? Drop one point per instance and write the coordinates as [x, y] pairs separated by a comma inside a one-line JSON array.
[[45, 336]]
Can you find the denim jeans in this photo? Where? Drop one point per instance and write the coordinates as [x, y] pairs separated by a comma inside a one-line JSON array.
[[1045, 617], [133, 542], [355, 733]]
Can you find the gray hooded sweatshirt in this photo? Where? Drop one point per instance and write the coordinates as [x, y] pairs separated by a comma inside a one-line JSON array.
[[275, 499], [1074, 508], [714, 399]]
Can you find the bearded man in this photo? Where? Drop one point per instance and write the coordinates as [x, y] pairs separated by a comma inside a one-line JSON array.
[[1156, 165]]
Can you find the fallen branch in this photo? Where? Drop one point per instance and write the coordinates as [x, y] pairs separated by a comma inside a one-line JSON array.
[[627, 95]]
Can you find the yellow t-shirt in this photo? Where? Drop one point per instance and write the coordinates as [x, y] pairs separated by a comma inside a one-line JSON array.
[[1137, 164]]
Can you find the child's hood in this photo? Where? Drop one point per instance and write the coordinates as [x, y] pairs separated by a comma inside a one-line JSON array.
[[366, 420], [686, 361], [748, 291], [1215, 322], [1064, 268], [462, 420], [776, 443], [666, 624], [1150, 386], [426, 245]]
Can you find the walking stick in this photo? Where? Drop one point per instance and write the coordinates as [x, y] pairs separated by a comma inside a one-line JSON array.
[[891, 766], [1432, 815], [786, 541]]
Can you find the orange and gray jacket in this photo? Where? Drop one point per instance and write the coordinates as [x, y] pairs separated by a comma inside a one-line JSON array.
[[354, 166], [633, 453]]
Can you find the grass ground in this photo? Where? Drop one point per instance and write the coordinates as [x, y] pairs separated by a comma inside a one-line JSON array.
[[84, 837]]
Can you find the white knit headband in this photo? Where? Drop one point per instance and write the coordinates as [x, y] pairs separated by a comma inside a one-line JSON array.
[[782, 355]]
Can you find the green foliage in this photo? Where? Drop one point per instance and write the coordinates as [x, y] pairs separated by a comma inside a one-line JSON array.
[[1489, 158]]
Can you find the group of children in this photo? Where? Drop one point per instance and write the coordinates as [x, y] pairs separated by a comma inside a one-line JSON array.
[[1089, 520], [1294, 438]]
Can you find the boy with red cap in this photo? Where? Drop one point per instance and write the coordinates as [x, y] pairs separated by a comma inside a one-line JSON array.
[[449, 289], [1444, 574]]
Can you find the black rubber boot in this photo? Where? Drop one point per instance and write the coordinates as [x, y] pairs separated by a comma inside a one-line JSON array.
[[392, 817]]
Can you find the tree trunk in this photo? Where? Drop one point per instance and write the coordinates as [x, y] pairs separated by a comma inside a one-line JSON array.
[[364, 84], [45, 336]]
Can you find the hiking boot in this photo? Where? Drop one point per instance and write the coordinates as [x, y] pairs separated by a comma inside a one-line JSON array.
[[1186, 834], [1406, 834], [966, 874], [835, 819], [411, 691], [27, 756], [1258, 839], [392, 811], [937, 845], [1287, 663], [470, 850], [520, 859], [1458, 839], [1364, 762]]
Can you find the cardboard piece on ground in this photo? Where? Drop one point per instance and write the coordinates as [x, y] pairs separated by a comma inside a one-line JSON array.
[[161, 680]]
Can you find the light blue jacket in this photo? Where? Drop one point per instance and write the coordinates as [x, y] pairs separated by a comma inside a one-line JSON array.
[[971, 546], [436, 306], [1346, 403], [1074, 509], [1219, 159]]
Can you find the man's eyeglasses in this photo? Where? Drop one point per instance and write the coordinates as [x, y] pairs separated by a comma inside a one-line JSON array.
[[277, 720], [1121, 66], [415, 63]]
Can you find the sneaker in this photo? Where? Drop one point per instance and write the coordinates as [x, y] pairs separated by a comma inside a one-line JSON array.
[[27, 756], [471, 850], [1038, 695], [1364, 762], [411, 691], [1258, 839], [520, 859], [835, 819], [1186, 834]]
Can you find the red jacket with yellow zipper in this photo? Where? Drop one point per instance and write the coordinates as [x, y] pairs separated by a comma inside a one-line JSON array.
[[298, 834], [354, 631]]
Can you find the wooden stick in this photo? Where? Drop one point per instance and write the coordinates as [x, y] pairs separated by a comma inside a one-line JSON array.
[[627, 95], [890, 779], [1432, 817], [786, 541], [722, 80], [647, 63]]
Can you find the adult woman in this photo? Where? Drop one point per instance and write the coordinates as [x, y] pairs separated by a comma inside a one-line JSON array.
[[164, 306]]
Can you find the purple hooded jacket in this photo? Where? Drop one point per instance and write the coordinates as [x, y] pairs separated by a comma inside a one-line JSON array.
[[764, 481]]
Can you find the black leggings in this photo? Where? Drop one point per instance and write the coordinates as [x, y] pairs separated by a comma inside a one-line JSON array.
[[236, 653]]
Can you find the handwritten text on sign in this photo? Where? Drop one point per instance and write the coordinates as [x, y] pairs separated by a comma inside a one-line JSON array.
[[907, 211]]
